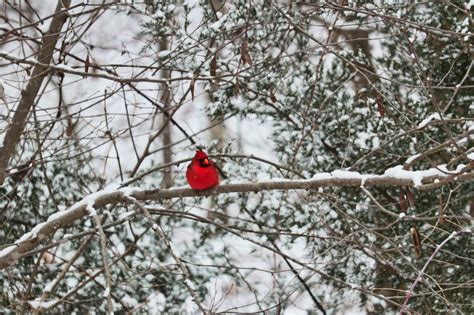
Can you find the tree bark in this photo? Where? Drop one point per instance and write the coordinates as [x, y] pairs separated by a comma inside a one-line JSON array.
[[166, 136]]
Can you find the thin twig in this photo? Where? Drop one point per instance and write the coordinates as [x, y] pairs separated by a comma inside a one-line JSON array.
[[161, 234], [422, 271], [103, 246]]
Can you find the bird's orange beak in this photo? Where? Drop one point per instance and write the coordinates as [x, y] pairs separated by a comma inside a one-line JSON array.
[[205, 162]]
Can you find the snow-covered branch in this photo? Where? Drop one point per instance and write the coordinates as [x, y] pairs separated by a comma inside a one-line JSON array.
[[396, 176]]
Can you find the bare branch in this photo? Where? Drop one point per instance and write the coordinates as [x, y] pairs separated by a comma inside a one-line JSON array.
[[45, 54], [422, 271]]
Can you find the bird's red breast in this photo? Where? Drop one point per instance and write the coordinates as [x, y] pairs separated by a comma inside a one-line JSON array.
[[202, 173]]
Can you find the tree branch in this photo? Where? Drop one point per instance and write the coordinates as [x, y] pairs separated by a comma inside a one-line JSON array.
[[44, 56], [422, 271], [421, 180]]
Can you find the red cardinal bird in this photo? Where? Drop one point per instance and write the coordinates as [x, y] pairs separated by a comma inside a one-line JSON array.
[[202, 173]]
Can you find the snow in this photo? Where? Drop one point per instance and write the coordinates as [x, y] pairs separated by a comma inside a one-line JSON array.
[[412, 158], [156, 301], [163, 54], [91, 199], [263, 177], [158, 14], [60, 214], [190, 284], [321, 176], [37, 228], [415, 176], [469, 4], [24, 237], [72, 282], [353, 285], [65, 68], [364, 179], [239, 102], [459, 168], [48, 287], [363, 139], [32, 234], [39, 304], [216, 26], [119, 246], [7, 250], [106, 292], [427, 120], [88, 201], [345, 174], [90, 208], [126, 215], [395, 172], [375, 142]]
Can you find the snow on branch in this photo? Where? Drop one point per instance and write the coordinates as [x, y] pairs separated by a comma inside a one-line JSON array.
[[42, 305], [427, 120], [395, 176]]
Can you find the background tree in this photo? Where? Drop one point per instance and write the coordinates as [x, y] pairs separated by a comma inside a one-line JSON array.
[[304, 102]]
